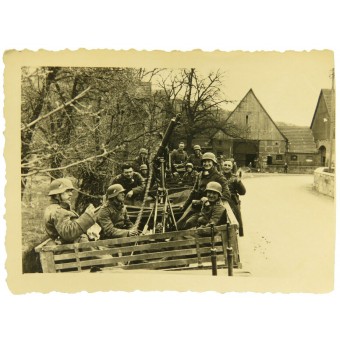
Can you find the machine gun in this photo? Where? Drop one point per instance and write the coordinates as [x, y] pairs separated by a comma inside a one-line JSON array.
[[161, 152], [162, 198], [157, 169]]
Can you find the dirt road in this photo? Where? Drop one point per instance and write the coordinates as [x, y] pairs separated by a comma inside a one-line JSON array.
[[289, 229]]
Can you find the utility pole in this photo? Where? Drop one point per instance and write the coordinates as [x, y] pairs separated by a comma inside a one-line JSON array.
[[331, 118]]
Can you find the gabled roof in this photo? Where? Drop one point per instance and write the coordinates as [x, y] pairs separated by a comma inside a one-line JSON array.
[[300, 138], [327, 95], [264, 110]]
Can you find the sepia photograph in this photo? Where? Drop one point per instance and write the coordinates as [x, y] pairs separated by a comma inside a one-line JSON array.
[[171, 171]]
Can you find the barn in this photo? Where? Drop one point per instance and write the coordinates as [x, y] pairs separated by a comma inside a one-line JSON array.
[[265, 145]]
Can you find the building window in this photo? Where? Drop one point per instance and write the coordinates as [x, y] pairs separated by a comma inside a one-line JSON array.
[[247, 119], [279, 157], [293, 157]]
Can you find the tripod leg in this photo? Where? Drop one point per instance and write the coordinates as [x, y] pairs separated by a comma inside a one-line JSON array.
[[146, 226], [155, 216], [172, 216], [165, 214]]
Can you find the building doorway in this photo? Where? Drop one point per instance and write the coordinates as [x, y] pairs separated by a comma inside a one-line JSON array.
[[250, 160], [269, 160], [322, 153], [245, 153]]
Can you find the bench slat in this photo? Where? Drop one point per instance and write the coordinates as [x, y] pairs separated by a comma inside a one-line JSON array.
[[136, 247], [138, 257], [172, 263], [132, 239]]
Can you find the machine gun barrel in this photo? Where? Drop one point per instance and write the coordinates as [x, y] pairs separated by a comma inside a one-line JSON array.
[[167, 135]]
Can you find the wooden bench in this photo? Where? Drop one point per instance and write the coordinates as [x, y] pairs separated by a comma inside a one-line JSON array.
[[169, 250]]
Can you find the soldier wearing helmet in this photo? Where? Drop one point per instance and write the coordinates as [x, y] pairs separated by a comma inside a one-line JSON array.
[[62, 224], [144, 171], [212, 211], [133, 183], [113, 217], [196, 158], [141, 159], [190, 175], [208, 174]]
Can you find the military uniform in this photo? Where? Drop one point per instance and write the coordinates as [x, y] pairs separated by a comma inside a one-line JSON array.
[[196, 160], [138, 161], [136, 184], [179, 157], [65, 225], [114, 220], [212, 213], [203, 179], [236, 188], [189, 178]]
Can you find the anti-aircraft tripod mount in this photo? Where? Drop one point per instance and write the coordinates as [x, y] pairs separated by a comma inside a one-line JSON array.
[[163, 202], [162, 197]]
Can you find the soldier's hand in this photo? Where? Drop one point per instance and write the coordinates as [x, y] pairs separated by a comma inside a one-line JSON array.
[[90, 210], [129, 194], [204, 200], [133, 232]]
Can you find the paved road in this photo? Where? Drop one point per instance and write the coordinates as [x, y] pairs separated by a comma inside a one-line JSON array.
[[289, 229]]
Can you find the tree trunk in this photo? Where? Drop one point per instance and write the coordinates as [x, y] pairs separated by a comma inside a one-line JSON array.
[[27, 134]]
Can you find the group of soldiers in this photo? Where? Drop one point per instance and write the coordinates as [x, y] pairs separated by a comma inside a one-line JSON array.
[[210, 186]]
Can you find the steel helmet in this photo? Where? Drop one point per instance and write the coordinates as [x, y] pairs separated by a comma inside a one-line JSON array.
[[197, 147], [143, 167], [60, 185], [209, 155], [214, 186], [189, 164], [143, 150], [113, 190]]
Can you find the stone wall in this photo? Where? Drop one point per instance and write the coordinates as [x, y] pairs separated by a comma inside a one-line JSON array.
[[302, 169], [324, 182]]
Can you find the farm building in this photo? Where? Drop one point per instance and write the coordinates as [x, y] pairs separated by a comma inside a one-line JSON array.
[[264, 144], [323, 127]]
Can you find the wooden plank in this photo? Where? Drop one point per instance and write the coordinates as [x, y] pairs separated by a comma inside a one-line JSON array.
[[233, 243], [170, 263], [232, 219], [139, 247], [199, 257], [135, 257], [47, 262], [225, 245], [124, 240], [39, 248]]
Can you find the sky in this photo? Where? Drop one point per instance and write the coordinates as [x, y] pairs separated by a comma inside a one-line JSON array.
[[287, 84]]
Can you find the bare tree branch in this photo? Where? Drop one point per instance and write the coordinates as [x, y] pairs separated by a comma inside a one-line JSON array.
[[105, 153], [27, 126]]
